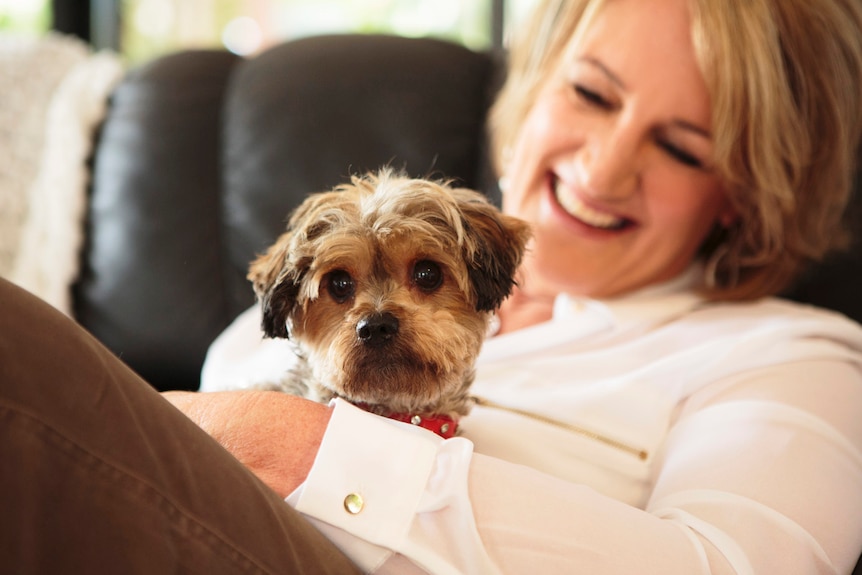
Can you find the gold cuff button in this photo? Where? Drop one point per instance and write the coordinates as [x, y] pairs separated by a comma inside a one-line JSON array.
[[353, 503]]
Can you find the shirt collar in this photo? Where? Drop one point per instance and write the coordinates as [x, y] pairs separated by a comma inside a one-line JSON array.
[[651, 305], [583, 319]]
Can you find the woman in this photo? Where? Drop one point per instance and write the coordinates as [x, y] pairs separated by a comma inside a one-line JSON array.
[[774, 124], [673, 157]]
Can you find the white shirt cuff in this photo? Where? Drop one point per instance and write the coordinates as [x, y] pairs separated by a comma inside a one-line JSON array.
[[348, 469]]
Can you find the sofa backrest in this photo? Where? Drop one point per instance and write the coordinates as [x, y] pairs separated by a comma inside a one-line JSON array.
[[203, 155]]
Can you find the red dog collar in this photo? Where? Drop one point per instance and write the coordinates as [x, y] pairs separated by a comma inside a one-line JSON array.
[[443, 425]]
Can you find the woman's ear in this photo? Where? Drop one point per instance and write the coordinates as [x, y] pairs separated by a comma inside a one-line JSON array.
[[728, 214]]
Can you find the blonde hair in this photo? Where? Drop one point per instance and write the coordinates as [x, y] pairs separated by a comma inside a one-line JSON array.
[[785, 80]]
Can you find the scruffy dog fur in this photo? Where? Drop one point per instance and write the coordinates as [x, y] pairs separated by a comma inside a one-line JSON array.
[[386, 286]]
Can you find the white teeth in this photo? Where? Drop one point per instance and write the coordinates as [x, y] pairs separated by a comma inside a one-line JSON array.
[[577, 209]]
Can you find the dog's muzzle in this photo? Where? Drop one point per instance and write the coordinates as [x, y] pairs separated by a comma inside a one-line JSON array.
[[377, 329]]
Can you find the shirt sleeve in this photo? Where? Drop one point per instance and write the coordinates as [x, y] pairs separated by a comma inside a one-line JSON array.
[[241, 358], [767, 469], [380, 487], [415, 498], [761, 474], [753, 480]]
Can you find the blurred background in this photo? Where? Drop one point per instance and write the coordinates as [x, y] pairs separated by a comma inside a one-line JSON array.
[[142, 29]]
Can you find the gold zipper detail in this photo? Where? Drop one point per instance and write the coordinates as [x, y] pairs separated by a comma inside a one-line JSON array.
[[641, 454]]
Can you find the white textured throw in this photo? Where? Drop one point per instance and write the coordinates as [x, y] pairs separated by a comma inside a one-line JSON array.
[[62, 93]]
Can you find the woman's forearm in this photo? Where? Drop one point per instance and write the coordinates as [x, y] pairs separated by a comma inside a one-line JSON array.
[[274, 434]]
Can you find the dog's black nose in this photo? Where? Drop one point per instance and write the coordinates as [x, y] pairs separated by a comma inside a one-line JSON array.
[[377, 329]]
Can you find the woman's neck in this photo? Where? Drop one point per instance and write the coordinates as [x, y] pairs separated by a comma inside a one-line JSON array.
[[522, 310]]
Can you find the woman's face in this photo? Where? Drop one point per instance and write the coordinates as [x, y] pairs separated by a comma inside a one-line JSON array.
[[612, 164]]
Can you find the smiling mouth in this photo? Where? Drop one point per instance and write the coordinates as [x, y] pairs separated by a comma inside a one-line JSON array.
[[585, 214]]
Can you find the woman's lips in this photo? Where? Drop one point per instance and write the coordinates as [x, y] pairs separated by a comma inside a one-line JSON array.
[[585, 214]]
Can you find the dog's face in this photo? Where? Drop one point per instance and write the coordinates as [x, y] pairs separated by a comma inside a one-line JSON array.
[[386, 286]]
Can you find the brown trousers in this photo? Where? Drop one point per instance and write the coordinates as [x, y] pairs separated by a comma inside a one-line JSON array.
[[99, 474]]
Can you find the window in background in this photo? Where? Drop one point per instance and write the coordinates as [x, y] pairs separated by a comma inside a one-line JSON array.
[[152, 27], [143, 29], [25, 17]]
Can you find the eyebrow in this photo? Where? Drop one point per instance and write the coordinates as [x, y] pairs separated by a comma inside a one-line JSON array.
[[693, 128], [683, 124], [607, 72]]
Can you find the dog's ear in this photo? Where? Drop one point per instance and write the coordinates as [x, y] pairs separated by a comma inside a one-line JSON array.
[[494, 248], [276, 284], [278, 274]]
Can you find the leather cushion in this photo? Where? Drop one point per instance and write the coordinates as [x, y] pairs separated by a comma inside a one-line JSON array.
[[151, 285], [306, 115]]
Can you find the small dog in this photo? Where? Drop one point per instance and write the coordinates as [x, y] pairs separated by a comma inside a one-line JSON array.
[[386, 286]]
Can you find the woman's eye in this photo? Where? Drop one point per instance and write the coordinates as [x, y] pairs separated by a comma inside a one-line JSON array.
[[592, 97], [681, 155], [340, 285], [427, 275]]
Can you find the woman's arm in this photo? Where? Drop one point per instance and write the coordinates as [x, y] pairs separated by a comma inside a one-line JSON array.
[[274, 434], [753, 481]]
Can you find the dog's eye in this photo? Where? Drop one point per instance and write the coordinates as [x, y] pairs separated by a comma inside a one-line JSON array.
[[340, 285], [427, 275]]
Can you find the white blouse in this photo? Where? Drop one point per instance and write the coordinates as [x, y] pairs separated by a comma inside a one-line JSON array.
[[656, 433]]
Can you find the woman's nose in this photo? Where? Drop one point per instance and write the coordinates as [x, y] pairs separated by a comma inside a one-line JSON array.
[[607, 165]]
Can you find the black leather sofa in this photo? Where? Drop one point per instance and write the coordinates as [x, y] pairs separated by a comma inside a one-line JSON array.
[[203, 154]]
